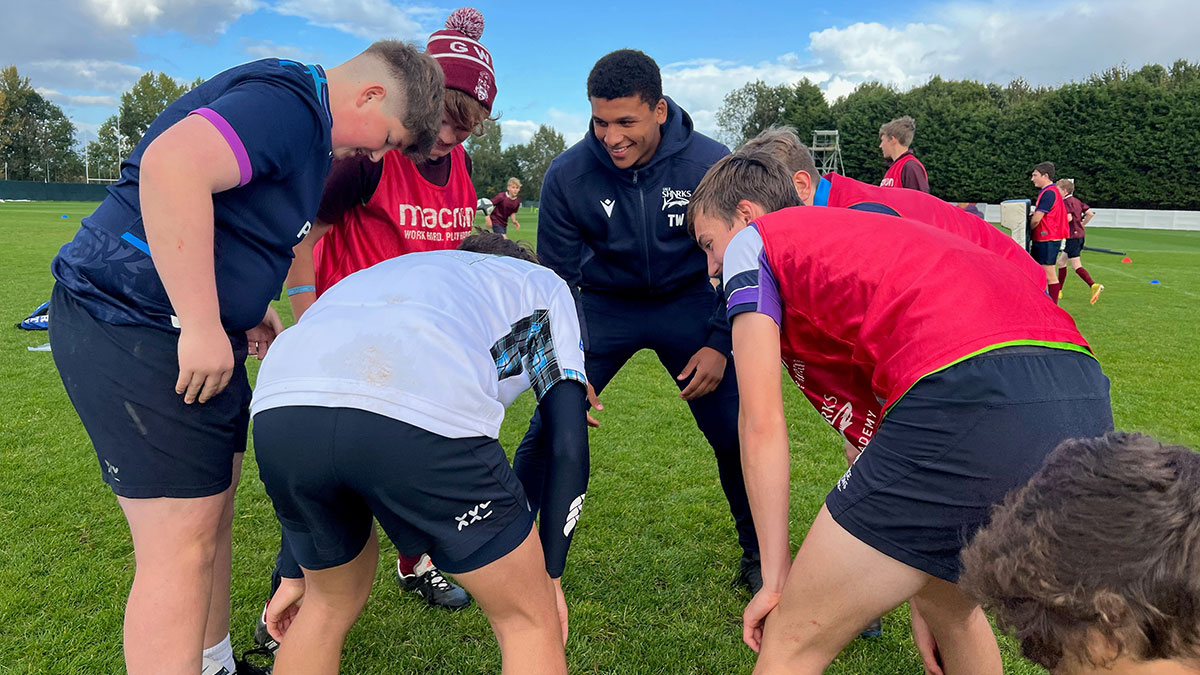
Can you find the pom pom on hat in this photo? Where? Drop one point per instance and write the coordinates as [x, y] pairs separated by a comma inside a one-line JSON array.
[[466, 63], [466, 20]]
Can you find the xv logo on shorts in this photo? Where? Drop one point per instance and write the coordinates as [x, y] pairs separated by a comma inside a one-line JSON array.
[[472, 516]]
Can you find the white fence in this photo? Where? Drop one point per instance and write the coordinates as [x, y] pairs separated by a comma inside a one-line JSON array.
[[1133, 218]]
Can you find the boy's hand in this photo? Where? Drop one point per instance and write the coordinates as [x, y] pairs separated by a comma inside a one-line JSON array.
[[284, 606], [260, 337], [205, 362]]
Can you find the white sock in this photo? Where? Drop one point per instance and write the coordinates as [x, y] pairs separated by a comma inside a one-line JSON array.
[[222, 653]]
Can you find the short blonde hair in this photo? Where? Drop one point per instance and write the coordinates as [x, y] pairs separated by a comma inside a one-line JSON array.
[[513, 181], [1066, 185]]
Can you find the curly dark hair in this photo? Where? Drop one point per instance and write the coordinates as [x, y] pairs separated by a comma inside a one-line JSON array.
[[625, 72], [1098, 557], [494, 244]]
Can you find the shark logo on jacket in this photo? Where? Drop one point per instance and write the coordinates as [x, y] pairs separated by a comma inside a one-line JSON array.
[[672, 197]]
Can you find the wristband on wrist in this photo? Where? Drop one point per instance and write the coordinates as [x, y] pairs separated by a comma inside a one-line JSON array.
[[295, 290]]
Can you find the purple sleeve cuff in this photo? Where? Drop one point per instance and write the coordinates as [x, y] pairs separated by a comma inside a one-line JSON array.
[[245, 171], [769, 302]]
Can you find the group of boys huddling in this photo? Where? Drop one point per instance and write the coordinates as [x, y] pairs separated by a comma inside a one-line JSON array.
[[349, 186]]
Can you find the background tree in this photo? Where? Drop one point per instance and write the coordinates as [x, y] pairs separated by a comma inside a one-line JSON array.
[[750, 109], [490, 167], [1128, 137], [148, 97], [534, 157], [38, 139]]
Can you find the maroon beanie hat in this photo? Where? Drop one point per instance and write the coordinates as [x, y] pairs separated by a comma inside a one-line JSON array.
[[466, 63]]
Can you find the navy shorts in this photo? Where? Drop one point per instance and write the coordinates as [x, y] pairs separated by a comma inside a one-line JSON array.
[[329, 470], [1074, 247], [958, 442], [499, 228], [1046, 252], [121, 380]]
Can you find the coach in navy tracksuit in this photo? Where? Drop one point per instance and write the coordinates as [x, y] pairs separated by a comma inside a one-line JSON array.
[[611, 223]]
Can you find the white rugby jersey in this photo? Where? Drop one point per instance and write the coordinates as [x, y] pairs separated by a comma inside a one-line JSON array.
[[442, 340]]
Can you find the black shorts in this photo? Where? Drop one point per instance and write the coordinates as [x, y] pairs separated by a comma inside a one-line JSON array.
[[499, 228], [121, 380], [1074, 247], [329, 470], [958, 442], [1046, 252]]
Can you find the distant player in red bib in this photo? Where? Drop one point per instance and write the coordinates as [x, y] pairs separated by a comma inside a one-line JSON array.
[[906, 170], [1050, 225], [506, 204], [374, 211], [978, 380], [1078, 215]]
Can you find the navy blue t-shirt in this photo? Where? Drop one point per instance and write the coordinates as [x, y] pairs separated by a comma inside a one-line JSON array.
[[275, 116]]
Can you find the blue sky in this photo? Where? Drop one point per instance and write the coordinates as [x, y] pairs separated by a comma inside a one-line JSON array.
[[83, 53]]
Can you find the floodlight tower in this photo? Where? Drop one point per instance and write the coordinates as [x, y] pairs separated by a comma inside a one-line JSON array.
[[827, 151]]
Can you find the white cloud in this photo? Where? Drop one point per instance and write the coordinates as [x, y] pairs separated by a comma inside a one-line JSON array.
[[987, 41], [85, 74], [700, 85], [572, 126], [1042, 43], [80, 100], [194, 17], [515, 132], [268, 49], [367, 19]]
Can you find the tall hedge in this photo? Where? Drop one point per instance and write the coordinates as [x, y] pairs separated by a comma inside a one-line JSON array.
[[1131, 139]]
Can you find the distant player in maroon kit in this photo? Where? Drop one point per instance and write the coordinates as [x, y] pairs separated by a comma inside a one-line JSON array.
[[375, 211], [906, 170], [505, 206], [1078, 215], [979, 381], [1050, 226]]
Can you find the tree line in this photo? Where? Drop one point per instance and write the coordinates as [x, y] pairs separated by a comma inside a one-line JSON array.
[[37, 141], [1128, 137]]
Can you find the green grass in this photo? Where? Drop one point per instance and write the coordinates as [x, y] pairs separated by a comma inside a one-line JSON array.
[[648, 579]]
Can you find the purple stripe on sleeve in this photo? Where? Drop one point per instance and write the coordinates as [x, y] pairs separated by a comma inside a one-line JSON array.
[[235, 143], [743, 295], [769, 302]]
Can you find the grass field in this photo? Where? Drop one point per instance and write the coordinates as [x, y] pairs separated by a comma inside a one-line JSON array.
[[648, 581]]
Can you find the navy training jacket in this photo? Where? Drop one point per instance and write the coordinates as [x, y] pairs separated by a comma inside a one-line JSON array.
[[622, 231]]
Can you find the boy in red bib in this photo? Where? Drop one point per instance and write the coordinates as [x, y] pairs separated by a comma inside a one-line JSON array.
[[906, 170], [1050, 225], [978, 382]]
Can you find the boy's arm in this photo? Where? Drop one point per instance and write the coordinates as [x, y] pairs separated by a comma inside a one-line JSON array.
[[567, 465], [762, 432], [1087, 217], [302, 275], [180, 171]]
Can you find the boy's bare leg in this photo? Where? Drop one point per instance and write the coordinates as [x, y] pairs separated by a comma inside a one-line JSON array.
[[518, 598], [174, 543], [837, 584], [333, 599]]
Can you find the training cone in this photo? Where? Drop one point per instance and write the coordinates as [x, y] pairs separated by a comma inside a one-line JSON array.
[[1126, 259]]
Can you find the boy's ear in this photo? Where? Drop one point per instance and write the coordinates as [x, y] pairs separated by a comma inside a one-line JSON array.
[[374, 92]]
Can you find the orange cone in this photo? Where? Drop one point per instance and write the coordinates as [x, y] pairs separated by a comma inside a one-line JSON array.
[[1126, 259]]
